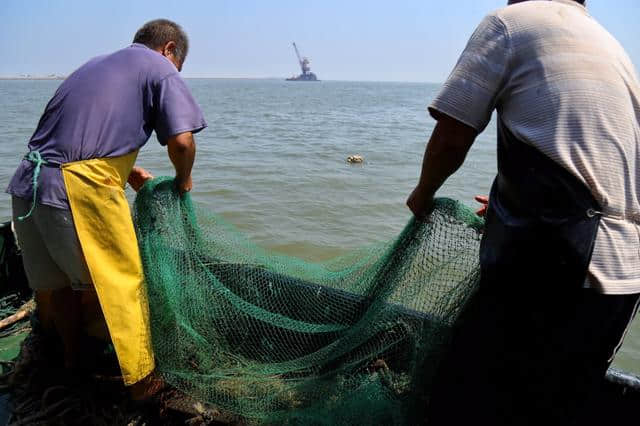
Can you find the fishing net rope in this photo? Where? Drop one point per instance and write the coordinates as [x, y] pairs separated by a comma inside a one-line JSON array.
[[275, 339]]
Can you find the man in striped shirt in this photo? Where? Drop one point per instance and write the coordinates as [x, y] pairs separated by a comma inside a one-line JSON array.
[[560, 256]]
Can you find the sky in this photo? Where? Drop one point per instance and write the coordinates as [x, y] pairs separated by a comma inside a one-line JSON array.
[[402, 40]]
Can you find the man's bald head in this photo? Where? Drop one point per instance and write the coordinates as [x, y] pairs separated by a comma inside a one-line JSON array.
[[158, 33]]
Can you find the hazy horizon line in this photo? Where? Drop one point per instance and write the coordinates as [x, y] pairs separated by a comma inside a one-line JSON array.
[[188, 77]]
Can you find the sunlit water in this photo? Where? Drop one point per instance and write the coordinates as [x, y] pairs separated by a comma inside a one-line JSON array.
[[273, 160]]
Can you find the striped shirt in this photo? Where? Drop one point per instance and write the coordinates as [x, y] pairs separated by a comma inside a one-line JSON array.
[[562, 84]]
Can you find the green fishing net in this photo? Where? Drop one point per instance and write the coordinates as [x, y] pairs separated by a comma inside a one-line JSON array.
[[278, 340]]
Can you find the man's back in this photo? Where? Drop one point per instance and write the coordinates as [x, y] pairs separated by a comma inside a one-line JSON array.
[[570, 93], [564, 85], [567, 100], [107, 108], [98, 110]]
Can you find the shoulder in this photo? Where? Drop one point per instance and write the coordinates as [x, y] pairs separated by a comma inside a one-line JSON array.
[[491, 30], [135, 58], [515, 18], [539, 16], [146, 61], [522, 12]]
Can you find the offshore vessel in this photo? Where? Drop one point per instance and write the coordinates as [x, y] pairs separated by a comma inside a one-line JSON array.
[[306, 75]]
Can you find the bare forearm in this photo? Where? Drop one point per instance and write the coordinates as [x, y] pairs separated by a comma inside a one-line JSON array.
[[182, 153], [445, 153], [440, 161]]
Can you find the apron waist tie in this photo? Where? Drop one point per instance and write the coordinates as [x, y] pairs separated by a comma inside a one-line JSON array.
[[616, 215], [35, 158]]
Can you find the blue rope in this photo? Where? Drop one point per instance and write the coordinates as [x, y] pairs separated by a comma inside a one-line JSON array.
[[36, 158]]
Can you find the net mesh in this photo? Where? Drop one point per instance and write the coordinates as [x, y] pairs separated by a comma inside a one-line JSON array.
[[275, 339]]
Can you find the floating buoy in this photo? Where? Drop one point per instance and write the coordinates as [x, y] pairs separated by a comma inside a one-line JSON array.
[[355, 159]]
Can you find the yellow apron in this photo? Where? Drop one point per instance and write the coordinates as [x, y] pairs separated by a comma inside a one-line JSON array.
[[100, 210]]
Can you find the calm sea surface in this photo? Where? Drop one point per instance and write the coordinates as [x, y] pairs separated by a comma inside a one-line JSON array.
[[273, 160]]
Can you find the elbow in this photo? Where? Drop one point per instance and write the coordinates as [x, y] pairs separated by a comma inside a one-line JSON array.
[[181, 143], [448, 148], [452, 137]]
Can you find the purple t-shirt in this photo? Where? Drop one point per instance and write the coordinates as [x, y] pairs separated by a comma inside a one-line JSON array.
[[107, 108]]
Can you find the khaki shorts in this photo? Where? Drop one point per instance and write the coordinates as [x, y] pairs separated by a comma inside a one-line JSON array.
[[51, 251]]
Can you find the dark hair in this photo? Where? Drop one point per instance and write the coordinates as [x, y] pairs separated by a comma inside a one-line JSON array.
[[155, 34]]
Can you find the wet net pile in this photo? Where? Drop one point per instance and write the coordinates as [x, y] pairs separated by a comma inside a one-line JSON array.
[[353, 340]]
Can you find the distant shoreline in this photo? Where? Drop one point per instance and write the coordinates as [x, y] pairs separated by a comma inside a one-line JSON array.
[[57, 77]]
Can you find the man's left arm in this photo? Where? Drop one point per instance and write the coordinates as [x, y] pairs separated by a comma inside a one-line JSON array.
[[177, 118], [182, 153], [445, 153]]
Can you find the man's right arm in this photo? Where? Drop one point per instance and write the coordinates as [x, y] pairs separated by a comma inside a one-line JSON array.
[[463, 107], [445, 153], [182, 153]]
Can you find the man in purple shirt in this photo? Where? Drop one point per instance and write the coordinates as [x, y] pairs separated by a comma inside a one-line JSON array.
[[89, 133]]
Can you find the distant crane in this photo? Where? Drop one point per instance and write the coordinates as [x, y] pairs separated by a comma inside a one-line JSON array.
[[306, 75], [304, 62]]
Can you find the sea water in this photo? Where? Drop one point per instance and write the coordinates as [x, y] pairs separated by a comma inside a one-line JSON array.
[[273, 160]]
